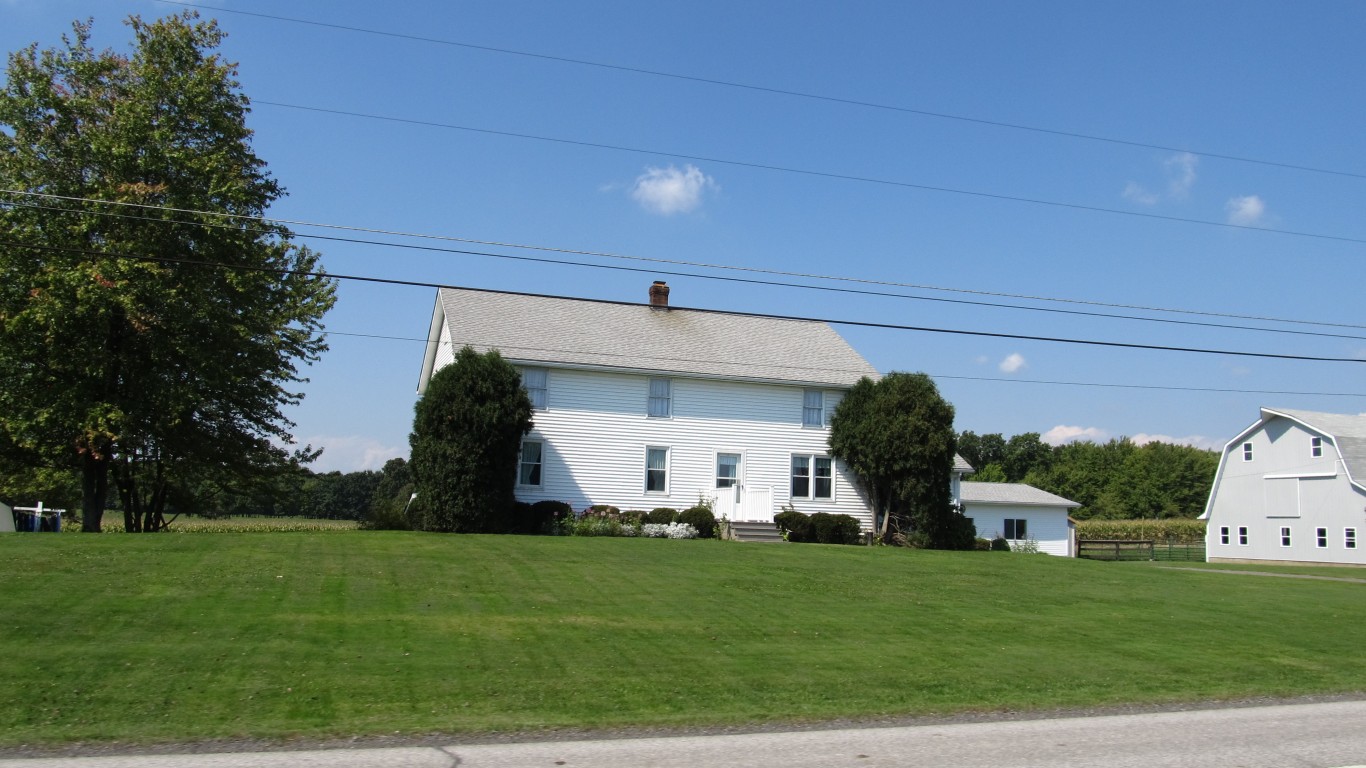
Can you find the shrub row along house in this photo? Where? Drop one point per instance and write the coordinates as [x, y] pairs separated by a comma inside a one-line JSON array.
[[1290, 489], [644, 405]]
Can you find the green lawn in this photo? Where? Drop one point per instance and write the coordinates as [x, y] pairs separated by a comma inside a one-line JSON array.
[[164, 638]]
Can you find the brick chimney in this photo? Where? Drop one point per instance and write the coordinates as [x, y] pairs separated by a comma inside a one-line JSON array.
[[659, 294]]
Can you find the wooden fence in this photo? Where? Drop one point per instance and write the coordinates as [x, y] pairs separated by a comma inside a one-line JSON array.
[[1141, 549]]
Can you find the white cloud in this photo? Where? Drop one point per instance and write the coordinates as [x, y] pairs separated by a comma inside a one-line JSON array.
[[1180, 170], [1195, 441], [1013, 362], [1245, 211], [1135, 192], [1065, 434], [351, 453], [671, 190]]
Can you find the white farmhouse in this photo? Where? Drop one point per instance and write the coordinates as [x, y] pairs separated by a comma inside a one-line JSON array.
[[643, 406], [1290, 489]]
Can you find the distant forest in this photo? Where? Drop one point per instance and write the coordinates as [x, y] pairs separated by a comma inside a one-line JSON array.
[[1117, 480]]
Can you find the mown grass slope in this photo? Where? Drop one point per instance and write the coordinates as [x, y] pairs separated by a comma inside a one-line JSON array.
[[157, 638]]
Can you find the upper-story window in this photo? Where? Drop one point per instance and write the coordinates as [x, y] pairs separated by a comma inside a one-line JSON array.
[[1247, 451], [661, 399], [1316, 447], [813, 408], [534, 382]]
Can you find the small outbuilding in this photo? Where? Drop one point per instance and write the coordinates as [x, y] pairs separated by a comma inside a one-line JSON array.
[[1021, 514]]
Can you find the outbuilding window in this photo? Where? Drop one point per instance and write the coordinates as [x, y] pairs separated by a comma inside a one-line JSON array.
[[1242, 535], [1247, 451], [1321, 538], [1316, 447], [1349, 538], [1223, 535], [1285, 535], [1017, 529]]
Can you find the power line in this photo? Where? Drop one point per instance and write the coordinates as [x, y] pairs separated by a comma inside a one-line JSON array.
[[813, 173], [775, 91], [993, 379], [733, 313], [445, 238]]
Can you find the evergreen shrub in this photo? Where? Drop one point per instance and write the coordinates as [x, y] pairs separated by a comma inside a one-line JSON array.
[[700, 518]]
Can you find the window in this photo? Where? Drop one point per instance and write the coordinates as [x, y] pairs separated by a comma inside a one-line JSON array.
[[529, 463], [534, 382], [657, 470], [1247, 451], [807, 486], [1285, 535], [1316, 447], [661, 399], [1242, 535], [813, 408], [1016, 529], [1321, 537], [1223, 535], [727, 470], [1349, 538]]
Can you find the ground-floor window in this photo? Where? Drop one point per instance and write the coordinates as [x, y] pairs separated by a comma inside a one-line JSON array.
[[1285, 535], [1242, 535], [727, 470], [656, 470], [1017, 529], [812, 477], [529, 463], [1349, 538], [1321, 537], [1223, 535]]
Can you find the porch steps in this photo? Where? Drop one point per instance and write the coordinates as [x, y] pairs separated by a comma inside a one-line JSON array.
[[757, 532]]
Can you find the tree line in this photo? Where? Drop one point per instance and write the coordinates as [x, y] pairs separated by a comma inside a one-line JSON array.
[[1114, 480]]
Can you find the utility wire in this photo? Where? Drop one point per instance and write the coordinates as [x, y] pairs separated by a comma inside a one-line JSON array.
[[993, 379], [722, 278], [812, 173], [731, 313], [774, 90], [705, 265]]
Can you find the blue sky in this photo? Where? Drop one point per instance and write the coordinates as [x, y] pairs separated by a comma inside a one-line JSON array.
[[1268, 81]]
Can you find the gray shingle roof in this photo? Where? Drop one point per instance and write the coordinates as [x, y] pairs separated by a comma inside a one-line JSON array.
[[637, 337], [961, 464], [1347, 431], [1012, 493]]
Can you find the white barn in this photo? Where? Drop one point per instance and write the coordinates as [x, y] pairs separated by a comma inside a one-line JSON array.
[[643, 406], [1021, 513], [1289, 489]]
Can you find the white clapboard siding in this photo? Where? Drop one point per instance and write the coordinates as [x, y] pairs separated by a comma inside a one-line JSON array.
[[1045, 525], [595, 432]]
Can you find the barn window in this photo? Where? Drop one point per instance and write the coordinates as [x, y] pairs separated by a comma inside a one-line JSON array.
[[1349, 538], [1223, 535], [1285, 535], [1316, 447], [1242, 535], [1321, 537], [1247, 451]]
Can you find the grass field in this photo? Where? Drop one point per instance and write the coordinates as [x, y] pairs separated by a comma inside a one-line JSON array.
[[172, 638]]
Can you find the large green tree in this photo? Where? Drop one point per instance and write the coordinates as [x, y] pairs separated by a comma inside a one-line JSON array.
[[467, 432], [896, 434], [153, 326]]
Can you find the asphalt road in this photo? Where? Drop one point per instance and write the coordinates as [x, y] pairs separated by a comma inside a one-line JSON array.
[[1323, 735]]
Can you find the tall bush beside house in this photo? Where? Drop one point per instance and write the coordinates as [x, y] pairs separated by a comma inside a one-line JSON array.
[[896, 434], [467, 431], [796, 527]]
